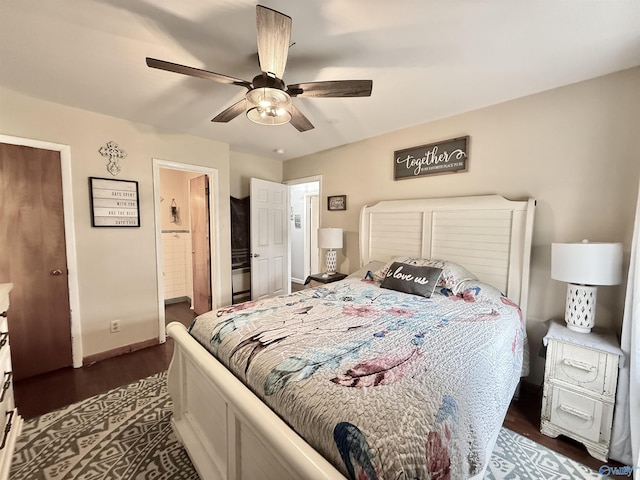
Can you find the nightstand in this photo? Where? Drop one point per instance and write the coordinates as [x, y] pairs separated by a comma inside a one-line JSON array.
[[325, 278], [580, 379]]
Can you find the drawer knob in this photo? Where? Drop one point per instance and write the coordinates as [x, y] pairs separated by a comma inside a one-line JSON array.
[[575, 412], [577, 364]]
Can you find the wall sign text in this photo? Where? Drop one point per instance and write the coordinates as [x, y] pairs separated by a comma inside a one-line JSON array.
[[114, 203], [448, 156]]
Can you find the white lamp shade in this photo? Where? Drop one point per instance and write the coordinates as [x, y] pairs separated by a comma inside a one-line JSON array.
[[330, 238], [587, 263]]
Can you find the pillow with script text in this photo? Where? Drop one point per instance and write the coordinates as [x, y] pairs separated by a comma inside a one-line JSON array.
[[414, 279]]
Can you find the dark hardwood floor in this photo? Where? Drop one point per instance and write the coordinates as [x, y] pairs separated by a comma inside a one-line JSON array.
[[44, 393], [295, 287], [50, 391]]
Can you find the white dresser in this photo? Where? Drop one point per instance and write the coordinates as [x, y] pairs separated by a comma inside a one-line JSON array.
[[10, 421], [580, 379]]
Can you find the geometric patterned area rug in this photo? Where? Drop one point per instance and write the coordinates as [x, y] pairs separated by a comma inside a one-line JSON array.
[[518, 458], [126, 434], [122, 434]]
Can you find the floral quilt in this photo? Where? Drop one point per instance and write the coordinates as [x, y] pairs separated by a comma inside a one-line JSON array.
[[383, 384]]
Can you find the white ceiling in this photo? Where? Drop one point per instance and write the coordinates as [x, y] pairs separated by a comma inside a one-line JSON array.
[[428, 59]]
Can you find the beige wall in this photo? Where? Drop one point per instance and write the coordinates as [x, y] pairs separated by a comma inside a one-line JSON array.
[[174, 185], [245, 166], [574, 149], [117, 266]]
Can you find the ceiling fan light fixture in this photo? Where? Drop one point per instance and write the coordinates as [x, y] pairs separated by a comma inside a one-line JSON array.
[[268, 106], [268, 101]]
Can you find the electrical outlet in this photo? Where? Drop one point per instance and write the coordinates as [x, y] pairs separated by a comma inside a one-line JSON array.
[[115, 326]]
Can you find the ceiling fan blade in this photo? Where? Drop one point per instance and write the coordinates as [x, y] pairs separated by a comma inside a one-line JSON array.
[[336, 88], [299, 121], [196, 72], [232, 112], [274, 38]]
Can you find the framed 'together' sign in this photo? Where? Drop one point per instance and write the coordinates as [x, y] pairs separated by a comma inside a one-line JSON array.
[[448, 156]]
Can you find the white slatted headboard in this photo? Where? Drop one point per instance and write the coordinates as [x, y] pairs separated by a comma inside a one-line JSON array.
[[488, 235]]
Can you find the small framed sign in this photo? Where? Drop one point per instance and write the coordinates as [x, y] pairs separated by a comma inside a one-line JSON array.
[[337, 202], [448, 156], [114, 203]]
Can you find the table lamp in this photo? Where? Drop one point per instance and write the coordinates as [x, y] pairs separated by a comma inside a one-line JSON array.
[[330, 238], [584, 266]]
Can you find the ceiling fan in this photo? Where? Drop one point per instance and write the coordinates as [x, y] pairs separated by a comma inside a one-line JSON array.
[[268, 99]]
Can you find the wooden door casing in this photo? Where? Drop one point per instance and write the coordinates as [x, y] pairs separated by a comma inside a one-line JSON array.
[[33, 258]]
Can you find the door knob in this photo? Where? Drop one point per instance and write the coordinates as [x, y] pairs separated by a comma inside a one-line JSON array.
[[56, 272], [255, 255]]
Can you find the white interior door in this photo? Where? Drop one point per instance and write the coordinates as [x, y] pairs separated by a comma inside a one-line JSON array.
[[270, 274]]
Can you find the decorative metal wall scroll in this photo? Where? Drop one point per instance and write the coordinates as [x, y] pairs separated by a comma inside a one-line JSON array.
[[114, 154]]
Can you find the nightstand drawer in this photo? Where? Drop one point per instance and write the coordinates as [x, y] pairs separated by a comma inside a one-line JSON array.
[[576, 413], [583, 367]]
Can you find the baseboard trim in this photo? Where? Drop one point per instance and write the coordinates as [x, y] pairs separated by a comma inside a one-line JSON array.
[[88, 360], [171, 301]]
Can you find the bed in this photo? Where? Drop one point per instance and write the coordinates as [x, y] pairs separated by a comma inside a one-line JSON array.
[[351, 380]]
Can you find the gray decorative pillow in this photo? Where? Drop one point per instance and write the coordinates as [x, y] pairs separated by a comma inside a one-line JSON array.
[[413, 279], [452, 273]]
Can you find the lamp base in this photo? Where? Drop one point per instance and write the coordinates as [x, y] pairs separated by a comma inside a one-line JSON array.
[[578, 329], [331, 262], [580, 309]]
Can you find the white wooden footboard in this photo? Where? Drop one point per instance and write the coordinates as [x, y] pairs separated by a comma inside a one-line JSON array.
[[227, 431]]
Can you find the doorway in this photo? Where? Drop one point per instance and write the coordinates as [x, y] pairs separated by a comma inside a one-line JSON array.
[[68, 277], [179, 242], [304, 197]]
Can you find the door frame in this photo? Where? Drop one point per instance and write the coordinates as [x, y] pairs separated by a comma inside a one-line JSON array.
[[214, 236], [313, 216], [298, 181], [70, 235]]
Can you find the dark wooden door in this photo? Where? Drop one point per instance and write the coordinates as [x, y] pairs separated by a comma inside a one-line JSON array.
[[201, 256], [33, 258]]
